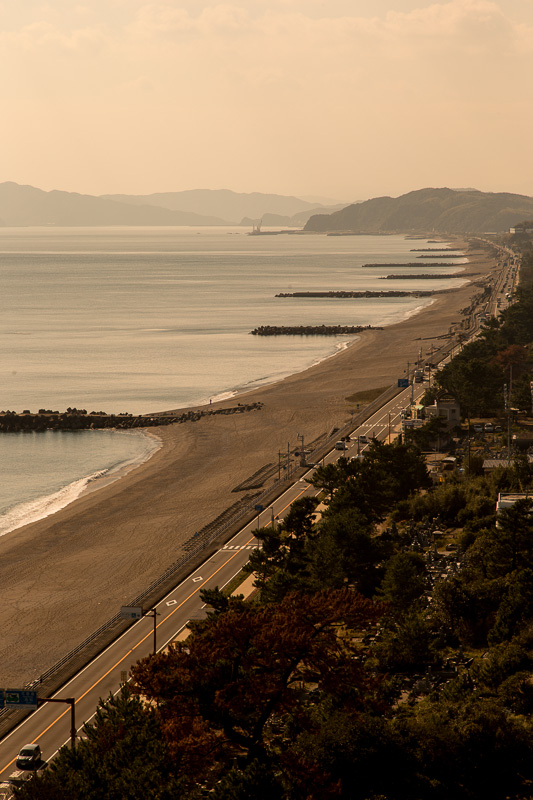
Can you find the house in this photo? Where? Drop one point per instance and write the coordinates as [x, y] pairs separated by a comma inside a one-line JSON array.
[[447, 408], [508, 499]]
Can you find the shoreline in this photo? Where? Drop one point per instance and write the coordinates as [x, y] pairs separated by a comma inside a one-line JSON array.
[[340, 347], [108, 545], [45, 506]]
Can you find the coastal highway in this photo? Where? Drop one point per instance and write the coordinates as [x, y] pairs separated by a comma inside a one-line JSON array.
[[49, 725]]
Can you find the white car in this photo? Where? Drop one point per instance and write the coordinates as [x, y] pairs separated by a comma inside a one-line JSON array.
[[340, 445]]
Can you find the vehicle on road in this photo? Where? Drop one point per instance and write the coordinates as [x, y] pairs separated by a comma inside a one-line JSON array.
[[478, 427], [489, 427], [29, 757], [363, 439], [340, 445]]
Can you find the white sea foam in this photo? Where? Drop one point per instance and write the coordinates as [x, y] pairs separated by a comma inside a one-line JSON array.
[[222, 396], [182, 337], [45, 505], [41, 507]]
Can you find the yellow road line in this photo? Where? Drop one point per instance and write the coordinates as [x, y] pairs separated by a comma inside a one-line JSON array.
[[292, 501], [130, 651]]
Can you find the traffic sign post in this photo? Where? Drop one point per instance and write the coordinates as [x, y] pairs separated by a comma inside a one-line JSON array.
[[20, 698], [131, 612], [136, 612]]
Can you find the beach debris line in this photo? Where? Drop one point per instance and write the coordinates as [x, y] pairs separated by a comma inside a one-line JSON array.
[[311, 330], [74, 419]]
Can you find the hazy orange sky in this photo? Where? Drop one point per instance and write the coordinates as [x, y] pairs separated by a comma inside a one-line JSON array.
[[345, 99]]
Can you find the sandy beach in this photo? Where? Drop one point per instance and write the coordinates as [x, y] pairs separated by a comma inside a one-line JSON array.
[[64, 576]]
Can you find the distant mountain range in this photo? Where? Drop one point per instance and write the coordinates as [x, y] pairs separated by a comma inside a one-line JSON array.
[[232, 208], [26, 205], [423, 211], [429, 210]]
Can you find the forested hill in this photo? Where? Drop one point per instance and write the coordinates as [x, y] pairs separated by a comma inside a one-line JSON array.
[[438, 210]]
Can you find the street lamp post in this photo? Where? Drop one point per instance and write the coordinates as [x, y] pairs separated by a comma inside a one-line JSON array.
[[71, 701], [154, 614], [137, 612]]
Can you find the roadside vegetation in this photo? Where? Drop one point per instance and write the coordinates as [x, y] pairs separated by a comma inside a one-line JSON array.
[[388, 653]]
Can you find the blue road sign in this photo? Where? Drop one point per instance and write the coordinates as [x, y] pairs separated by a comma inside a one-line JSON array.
[[258, 508], [21, 698], [403, 383], [131, 612]]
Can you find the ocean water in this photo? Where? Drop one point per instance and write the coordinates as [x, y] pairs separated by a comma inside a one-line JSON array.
[[43, 472], [149, 319]]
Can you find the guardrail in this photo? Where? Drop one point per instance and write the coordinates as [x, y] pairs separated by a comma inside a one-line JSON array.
[[60, 672]]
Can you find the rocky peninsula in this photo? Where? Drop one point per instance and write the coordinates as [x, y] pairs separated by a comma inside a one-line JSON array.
[[78, 419]]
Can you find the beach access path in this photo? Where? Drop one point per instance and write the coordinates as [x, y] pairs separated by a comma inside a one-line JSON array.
[[64, 576]]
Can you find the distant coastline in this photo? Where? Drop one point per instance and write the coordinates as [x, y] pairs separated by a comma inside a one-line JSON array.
[[113, 542]]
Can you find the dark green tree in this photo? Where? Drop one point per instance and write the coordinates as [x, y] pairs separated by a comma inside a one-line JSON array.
[[513, 537], [404, 581], [121, 757]]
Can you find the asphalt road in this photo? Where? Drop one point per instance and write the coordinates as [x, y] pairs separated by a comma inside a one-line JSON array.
[[49, 726]]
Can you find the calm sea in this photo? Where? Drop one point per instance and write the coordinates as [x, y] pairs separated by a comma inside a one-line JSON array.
[[148, 319]]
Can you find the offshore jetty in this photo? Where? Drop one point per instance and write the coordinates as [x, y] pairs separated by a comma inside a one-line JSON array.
[[442, 276], [78, 419], [450, 255], [310, 330], [410, 264], [367, 293]]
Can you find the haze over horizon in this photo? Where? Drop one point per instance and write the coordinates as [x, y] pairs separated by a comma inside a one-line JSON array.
[[347, 100]]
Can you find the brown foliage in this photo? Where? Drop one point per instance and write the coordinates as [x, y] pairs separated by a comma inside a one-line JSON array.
[[218, 693]]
